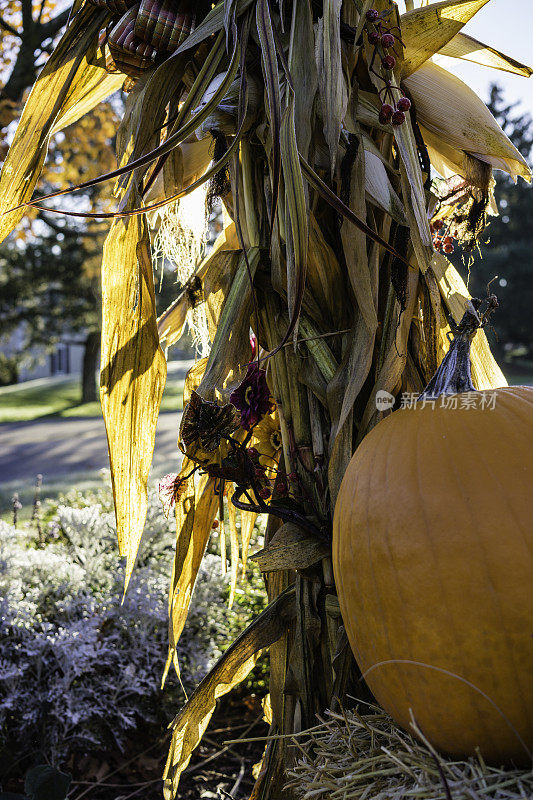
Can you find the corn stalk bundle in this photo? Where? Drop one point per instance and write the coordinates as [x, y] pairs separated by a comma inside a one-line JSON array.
[[318, 123]]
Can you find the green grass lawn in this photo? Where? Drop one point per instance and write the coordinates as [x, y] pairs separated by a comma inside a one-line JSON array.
[[62, 399]]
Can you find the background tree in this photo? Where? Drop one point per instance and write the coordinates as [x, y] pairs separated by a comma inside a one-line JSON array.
[[29, 29], [508, 252], [50, 268]]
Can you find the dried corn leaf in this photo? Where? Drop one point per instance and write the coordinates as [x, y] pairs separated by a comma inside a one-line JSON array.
[[413, 191], [290, 548], [212, 23], [297, 212], [457, 117], [230, 352], [395, 359], [486, 374], [332, 86], [426, 30], [195, 512], [184, 513], [303, 71], [354, 244], [132, 376], [236, 663], [469, 49], [193, 379], [269, 62], [379, 189], [63, 73], [93, 85]]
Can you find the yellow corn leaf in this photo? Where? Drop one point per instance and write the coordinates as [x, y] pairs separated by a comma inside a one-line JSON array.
[[236, 663], [93, 85], [486, 373], [195, 512], [133, 374], [469, 49], [459, 119], [193, 379], [426, 30], [65, 68]]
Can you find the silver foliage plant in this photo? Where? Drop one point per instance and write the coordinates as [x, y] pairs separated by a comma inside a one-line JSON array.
[[79, 672]]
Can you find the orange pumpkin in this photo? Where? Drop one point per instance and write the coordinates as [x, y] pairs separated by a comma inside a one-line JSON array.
[[433, 559]]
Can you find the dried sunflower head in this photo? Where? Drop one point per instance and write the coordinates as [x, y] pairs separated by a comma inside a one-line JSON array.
[[204, 426]]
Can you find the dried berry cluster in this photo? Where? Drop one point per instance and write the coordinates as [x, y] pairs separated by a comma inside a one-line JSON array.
[[442, 239], [384, 41]]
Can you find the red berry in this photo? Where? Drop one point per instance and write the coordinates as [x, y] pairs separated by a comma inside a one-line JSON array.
[[252, 452], [215, 524], [385, 113], [282, 487], [373, 37], [387, 40], [259, 472], [403, 104], [448, 240], [372, 15], [448, 248], [438, 224], [292, 476], [388, 62], [265, 493], [398, 118]]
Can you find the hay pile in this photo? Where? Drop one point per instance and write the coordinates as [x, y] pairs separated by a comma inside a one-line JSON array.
[[367, 757]]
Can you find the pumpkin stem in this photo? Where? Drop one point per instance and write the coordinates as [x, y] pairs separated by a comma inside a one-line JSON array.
[[454, 374]]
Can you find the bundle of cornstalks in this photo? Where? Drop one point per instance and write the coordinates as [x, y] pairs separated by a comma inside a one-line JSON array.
[[319, 124], [352, 756]]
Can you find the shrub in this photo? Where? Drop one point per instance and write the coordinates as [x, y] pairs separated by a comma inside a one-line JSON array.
[[79, 671]]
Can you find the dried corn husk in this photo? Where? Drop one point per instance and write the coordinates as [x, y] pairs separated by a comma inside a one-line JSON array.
[[453, 114]]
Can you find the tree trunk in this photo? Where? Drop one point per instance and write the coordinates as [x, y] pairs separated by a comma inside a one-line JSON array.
[[89, 388]]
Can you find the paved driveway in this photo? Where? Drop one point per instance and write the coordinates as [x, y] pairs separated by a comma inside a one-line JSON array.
[[59, 447]]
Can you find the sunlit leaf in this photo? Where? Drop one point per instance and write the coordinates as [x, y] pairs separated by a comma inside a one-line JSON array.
[[428, 29], [133, 375], [65, 70]]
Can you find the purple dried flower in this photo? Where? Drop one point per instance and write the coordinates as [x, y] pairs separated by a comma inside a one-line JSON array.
[[252, 397]]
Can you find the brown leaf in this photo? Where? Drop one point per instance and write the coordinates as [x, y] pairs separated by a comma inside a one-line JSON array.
[[290, 548]]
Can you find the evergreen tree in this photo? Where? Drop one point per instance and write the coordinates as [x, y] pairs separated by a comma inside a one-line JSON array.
[[508, 252]]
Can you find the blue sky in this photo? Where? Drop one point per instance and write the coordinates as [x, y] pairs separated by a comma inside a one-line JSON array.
[[506, 25]]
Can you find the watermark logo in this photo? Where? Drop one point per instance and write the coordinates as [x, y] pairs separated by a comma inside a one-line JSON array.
[[485, 401], [384, 400]]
